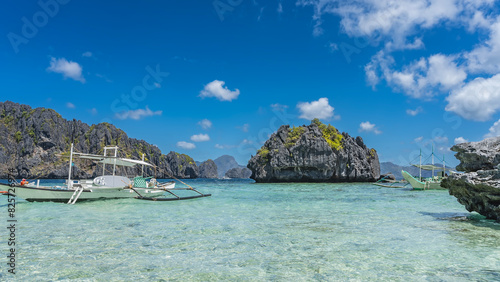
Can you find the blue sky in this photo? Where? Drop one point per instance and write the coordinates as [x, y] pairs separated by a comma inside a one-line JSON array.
[[208, 78]]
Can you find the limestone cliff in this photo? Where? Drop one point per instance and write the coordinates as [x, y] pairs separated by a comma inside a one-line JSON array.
[[30, 140], [479, 188], [208, 169], [314, 153]]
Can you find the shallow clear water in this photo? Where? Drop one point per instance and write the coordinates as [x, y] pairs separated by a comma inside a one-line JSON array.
[[249, 231]]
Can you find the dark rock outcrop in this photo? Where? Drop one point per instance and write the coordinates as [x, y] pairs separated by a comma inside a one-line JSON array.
[[474, 156], [239, 172], [30, 140], [314, 153], [478, 189], [208, 169]]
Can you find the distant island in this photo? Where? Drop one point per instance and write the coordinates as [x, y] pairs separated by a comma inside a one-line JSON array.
[[314, 153], [32, 138]]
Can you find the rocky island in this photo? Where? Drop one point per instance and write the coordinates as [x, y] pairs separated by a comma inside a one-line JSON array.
[[478, 189], [314, 153], [30, 140]]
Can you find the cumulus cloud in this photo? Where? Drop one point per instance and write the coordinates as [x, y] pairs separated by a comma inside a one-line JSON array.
[[418, 139], [414, 112], [460, 139], [369, 127], [494, 130], [68, 69], [87, 54], [205, 124], [477, 100], [423, 78], [186, 145], [244, 127], [93, 111], [217, 89], [200, 138], [320, 109], [70, 105], [137, 114]]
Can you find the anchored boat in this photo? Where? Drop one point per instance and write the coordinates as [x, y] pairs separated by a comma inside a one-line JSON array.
[[427, 183], [102, 187]]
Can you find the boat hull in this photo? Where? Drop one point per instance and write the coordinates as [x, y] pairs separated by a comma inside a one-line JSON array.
[[421, 185], [39, 194]]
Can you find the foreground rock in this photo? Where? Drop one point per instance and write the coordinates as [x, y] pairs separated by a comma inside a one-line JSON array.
[[474, 156], [30, 140], [314, 153], [478, 189]]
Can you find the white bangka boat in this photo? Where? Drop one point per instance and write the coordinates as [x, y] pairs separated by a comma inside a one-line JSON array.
[[102, 187], [427, 183]]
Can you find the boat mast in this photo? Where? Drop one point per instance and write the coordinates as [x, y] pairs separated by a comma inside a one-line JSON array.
[[444, 167], [433, 160], [70, 185], [142, 171], [104, 163], [420, 166], [114, 165]]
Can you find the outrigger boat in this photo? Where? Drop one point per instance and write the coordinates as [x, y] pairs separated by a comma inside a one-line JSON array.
[[102, 187], [429, 183]]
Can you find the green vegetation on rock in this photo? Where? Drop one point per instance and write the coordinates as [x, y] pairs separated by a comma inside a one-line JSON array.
[[294, 134], [18, 136], [264, 153], [331, 134]]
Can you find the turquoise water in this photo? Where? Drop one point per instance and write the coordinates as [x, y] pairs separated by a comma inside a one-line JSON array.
[[258, 232]]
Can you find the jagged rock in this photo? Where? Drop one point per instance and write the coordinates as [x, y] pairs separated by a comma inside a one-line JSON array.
[[208, 169], [474, 156], [239, 172], [314, 153], [478, 189], [30, 140]]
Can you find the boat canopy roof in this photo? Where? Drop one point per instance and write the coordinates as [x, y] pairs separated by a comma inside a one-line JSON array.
[[111, 160], [431, 167]]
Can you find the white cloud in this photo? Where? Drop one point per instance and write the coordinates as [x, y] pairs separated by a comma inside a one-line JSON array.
[[477, 100], [441, 139], [494, 130], [157, 85], [418, 139], [369, 127], [137, 114], [200, 138], [245, 127], [320, 109], [87, 54], [280, 8], [397, 21], [279, 107], [217, 89], [186, 145], [93, 111], [218, 146], [70, 105], [423, 78], [205, 124], [68, 69], [414, 112], [460, 139]]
